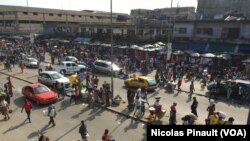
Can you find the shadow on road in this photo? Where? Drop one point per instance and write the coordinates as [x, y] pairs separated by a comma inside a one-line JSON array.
[[85, 109], [95, 112], [15, 127]]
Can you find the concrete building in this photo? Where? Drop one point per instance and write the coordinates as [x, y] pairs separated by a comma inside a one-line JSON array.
[[41, 20], [220, 9], [158, 23]]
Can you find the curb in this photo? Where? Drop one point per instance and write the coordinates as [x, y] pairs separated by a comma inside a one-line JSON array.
[[16, 77], [120, 113]]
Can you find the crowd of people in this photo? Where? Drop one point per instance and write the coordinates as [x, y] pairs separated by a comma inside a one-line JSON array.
[[174, 71]]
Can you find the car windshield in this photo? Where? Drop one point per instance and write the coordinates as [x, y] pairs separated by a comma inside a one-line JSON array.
[[32, 60], [151, 81], [56, 76], [41, 89]]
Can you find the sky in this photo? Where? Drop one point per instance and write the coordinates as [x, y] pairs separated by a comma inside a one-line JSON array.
[[119, 6]]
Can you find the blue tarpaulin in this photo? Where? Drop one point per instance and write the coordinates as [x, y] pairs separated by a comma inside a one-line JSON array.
[[244, 48], [198, 47], [180, 46]]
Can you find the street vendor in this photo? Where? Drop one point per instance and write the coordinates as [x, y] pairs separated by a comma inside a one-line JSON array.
[[151, 117]]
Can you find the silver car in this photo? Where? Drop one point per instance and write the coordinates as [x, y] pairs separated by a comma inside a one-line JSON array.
[[51, 77], [31, 62], [105, 67]]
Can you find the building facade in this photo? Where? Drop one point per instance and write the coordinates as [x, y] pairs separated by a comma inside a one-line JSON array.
[[49, 21], [220, 9]]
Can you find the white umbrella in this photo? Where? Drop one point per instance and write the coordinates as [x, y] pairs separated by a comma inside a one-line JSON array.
[[208, 55], [178, 52], [195, 55], [224, 56]]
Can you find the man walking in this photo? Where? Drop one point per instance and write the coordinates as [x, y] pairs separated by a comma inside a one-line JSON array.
[[83, 131], [52, 114], [194, 106], [27, 106]]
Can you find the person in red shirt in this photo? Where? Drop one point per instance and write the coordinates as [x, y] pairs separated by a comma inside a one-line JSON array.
[[27, 106], [105, 136]]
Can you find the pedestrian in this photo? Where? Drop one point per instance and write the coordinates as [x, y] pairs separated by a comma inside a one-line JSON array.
[[229, 121], [179, 84], [191, 89], [28, 107], [4, 109], [105, 136], [52, 114], [43, 138], [7, 98], [194, 106], [172, 118], [10, 86], [21, 65], [63, 90], [74, 92], [83, 131]]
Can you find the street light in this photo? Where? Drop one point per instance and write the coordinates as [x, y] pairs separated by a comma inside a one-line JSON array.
[[111, 43]]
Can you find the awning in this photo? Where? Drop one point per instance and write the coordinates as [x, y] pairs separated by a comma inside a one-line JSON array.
[[221, 47], [180, 46], [197, 47], [244, 48]]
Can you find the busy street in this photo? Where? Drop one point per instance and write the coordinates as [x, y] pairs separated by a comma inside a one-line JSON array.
[[102, 71], [73, 114]]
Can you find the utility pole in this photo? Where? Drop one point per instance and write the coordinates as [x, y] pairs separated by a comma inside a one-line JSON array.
[[171, 3], [112, 53]]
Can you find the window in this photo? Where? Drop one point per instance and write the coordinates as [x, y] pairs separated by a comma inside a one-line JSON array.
[[198, 31], [50, 14], [91, 17], [208, 31], [182, 30], [68, 65], [59, 15], [44, 75], [79, 16], [72, 15], [25, 13], [35, 13]]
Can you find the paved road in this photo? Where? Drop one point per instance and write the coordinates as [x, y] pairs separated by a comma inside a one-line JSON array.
[[67, 120], [183, 106]]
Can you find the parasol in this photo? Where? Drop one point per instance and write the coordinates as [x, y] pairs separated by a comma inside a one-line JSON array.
[[208, 55], [178, 52], [224, 56], [195, 54]]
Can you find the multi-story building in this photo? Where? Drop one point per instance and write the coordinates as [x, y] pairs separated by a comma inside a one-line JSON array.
[[159, 23], [49, 21], [220, 9]]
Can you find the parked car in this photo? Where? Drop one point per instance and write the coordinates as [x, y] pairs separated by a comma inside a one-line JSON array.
[[105, 67], [39, 93], [141, 82], [30, 62], [51, 77]]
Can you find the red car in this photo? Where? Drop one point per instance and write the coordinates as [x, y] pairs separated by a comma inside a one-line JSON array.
[[39, 93]]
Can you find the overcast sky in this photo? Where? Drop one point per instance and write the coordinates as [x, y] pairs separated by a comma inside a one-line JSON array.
[[121, 6]]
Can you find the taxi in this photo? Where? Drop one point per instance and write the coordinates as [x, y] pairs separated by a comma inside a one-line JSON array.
[[141, 82]]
